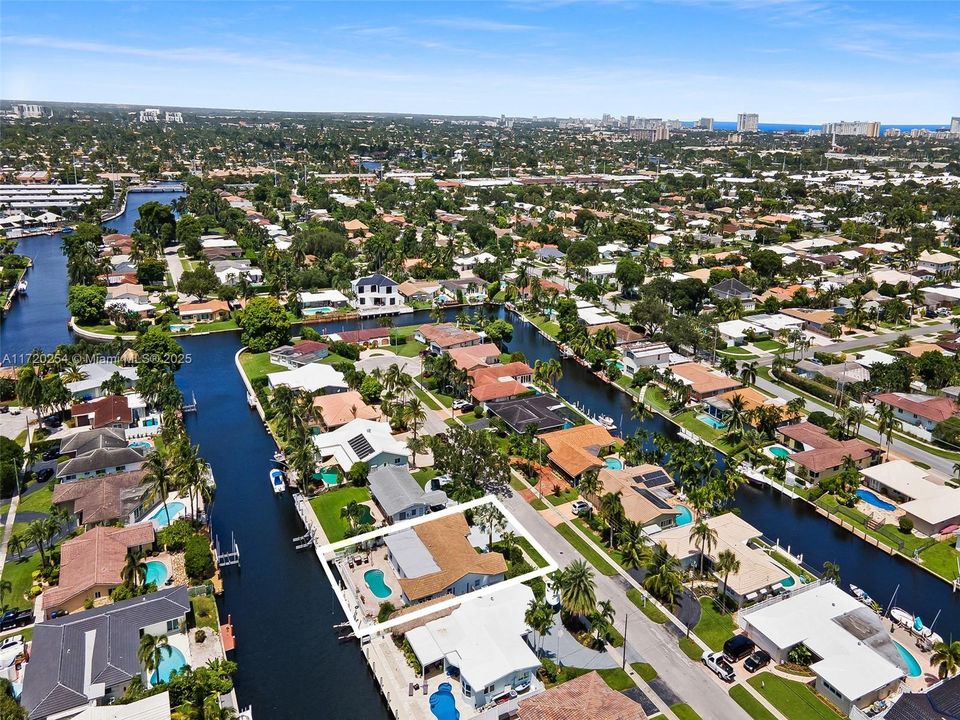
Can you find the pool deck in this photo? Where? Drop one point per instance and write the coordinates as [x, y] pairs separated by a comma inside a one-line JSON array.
[[909, 641], [362, 598]]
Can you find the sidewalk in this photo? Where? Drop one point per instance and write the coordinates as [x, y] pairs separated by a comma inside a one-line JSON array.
[[8, 530]]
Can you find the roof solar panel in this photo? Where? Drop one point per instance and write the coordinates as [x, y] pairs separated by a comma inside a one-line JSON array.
[[656, 478], [659, 503], [361, 446]]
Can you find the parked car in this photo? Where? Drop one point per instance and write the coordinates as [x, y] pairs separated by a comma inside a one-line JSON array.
[[44, 474], [52, 421], [464, 405], [14, 410], [761, 658], [738, 647], [581, 507], [4, 409], [15, 617], [51, 454], [718, 664], [9, 642]]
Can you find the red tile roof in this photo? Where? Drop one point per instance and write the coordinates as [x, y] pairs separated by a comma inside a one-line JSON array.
[[106, 410]]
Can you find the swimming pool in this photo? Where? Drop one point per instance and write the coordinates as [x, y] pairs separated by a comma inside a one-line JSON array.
[[157, 573], [173, 509], [180, 327], [329, 477], [711, 421], [779, 451], [442, 703], [788, 581], [686, 516], [171, 661], [318, 311], [913, 667], [870, 499], [140, 445], [613, 463], [374, 581]]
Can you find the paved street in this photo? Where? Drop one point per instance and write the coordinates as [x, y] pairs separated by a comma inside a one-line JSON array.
[[653, 643]]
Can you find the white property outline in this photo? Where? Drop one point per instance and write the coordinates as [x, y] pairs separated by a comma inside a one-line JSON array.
[[377, 628]]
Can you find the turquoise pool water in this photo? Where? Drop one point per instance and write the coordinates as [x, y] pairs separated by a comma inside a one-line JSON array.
[[180, 327], [140, 445], [685, 517], [788, 581], [329, 477], [374, 581], [780, 452], [157, 573], [173, 509], [711, 421], [442, 704], [913, 667], [172, 661], [870, 499], [318, 311], [613, 463]]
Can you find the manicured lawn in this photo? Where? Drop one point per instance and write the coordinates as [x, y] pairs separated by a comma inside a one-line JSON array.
[[38, 501], [795, 700], [426, 399], [593, 557], [736, 352], [548, 326], [750, 704], [411, 348], [684, 712], [327, 506], [598, 540], [648, 608], [205, 611], [768, 345], [18, 572], [424, 475], [644, 670], [714, 629], [791, 566], [616, 678], [218, 326], [258, 365], [691, 649], [942, 559], [531, 553], [562, 498]]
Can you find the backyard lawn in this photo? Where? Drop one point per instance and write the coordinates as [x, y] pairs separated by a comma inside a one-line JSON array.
[[942, 559], [40, 501], [327, 505], [205, 611], [258, 365], [18, 573], [753, 707], [411, 348], [424, 475], [714, 629], [795, 700]]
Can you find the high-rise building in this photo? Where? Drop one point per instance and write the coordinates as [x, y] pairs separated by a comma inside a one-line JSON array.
[[955, 125], [704, 123], [748, 122], [31, 112], [857, 128]]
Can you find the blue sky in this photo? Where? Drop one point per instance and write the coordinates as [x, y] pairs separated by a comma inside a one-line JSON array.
[[789, 61]]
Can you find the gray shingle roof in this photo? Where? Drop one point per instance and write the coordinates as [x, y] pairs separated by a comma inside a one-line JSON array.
[[83, 442], [100, 643], [395, 489], [100, 460]]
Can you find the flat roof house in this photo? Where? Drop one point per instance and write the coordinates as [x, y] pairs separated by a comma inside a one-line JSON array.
[[855, 659], [575, 450], [924, 411], [644, 354], [436, 558], [483, 642], [400, 497], [361, 440], [91, 565], [310, 378], [933, 506], [89, 658]]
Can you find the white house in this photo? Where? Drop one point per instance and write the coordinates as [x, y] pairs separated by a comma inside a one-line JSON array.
[[735, 332], [311, 377], [936, 262], [376, 291], [855, 659], [94, 376], [230, 271], [361, 441], [644, 354], [321, 299], [484, 640]]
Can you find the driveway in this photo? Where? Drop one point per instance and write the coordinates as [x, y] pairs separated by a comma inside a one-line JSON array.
[[12, 425], [564, 649]]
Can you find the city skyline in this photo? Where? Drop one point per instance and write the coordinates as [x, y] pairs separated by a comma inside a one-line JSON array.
[[777, 59]]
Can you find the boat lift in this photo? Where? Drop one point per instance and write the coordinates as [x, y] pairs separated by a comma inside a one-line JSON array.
[[192, 405], [304, 541], [230, 556]]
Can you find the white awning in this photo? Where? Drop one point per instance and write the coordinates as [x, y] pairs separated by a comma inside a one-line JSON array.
[[424, 646]]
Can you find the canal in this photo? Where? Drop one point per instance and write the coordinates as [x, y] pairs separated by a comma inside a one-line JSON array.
[[290, 663]]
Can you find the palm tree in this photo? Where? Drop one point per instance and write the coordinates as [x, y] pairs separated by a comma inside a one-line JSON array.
[[888, 424], [663, 576], [831, 572], [159, 476], [727, 563], [5, 587], [946, 658], [795, 407], [16, 544], [634, 551], [611, 510], [352, 513], [414, 414], [134, 572], [539, 618], [191, 474], [602, 618], [748, 373], [150, 651], [705, 538], [489, 516], [590, 485], [29, 389], [284, 408], [736, 419], [578, 588], [40, 533]]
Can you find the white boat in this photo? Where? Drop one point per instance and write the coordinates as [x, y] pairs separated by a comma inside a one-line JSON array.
[[277, 481], [251, 400], [861, 595], [278, 457], [901, 617], [22, 286], [606, 421]]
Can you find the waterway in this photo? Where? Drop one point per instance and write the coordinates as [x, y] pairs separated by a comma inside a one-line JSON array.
[[290, 661]]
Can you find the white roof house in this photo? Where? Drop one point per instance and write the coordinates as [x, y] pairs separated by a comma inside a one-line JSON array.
[[858, 661], [361, 441], [901, 478], [735, 330], [155, 707], [873, 357], [484, 638], [322, 298], [601, 270], [311, 377], [95, 374], [776, 323]]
